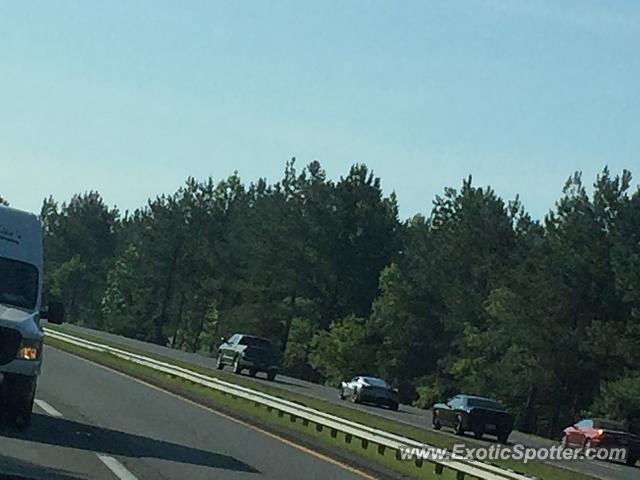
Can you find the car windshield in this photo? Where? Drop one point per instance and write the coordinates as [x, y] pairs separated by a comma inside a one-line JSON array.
[[484, 403], [375, 382], [255, 342], [18, 283], [609, 425]]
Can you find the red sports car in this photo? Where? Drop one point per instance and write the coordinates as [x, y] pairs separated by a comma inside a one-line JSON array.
[[598, 432]]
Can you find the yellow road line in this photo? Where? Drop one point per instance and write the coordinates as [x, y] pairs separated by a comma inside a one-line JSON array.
[[235, 420]]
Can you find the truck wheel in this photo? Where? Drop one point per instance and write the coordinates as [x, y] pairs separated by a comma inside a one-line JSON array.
[[503, 438], [271, 376], [394, 406], [252, 372], [20, 396]]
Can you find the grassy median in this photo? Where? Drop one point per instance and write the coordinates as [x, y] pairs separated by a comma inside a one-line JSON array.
[[249, 410]]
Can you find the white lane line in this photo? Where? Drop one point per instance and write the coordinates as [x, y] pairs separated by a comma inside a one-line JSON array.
[[116, 467], [47, 408]]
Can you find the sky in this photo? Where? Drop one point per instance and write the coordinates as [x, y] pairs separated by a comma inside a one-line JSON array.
[[129, 98]]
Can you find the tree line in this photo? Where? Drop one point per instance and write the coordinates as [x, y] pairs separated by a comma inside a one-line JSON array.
[[474, 297]]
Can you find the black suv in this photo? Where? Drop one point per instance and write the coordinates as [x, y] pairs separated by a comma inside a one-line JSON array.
[[255, 354]]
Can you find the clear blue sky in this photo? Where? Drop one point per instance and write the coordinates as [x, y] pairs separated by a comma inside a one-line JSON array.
[[131, 97]]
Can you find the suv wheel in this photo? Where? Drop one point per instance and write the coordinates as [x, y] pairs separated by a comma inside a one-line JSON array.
[[219, 362], [20, 406], [236, 366], [271, 376], [459, 428]]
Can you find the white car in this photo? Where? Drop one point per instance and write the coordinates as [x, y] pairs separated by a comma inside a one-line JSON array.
[[365, 389]]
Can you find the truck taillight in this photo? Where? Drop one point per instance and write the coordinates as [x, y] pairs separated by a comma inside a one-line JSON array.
[[29, 350]]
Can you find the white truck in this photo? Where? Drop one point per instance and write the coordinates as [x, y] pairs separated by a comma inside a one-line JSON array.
[[20, 303]]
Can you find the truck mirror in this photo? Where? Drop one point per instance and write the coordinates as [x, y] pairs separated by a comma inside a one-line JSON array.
[[55, 313]]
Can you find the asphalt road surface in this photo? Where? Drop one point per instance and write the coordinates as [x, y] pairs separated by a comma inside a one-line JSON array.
[[406, 414], [90, 422]]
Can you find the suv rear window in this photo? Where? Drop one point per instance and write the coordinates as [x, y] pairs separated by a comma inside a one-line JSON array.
[[255, 342]]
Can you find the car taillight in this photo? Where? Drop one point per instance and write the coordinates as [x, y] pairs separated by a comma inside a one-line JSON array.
[[600, 432]]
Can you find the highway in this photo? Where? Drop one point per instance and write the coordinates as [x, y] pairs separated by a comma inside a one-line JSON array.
[[407, 414], [91, 422]]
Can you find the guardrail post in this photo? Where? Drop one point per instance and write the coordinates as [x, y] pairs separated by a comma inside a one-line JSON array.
[[418, 462], [459, 475], [280, 413], [318, 427], [305, 422], [348, 437], [439, 468], [334, 433], [398, 454], [365, 443], [381, 449], [292, 418]]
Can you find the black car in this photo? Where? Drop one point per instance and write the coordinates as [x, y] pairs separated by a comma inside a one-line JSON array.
[[248, 352], [469, 413]]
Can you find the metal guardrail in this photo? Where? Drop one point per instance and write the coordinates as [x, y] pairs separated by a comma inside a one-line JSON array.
[[352, 430]]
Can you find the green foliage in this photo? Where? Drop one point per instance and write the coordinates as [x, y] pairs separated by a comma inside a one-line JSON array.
[[342, 351], [296, 356], [620, 399], [80, 240], [475, 296]]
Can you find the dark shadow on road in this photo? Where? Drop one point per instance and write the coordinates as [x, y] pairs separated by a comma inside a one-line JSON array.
[[277, 380], [15, 469], [284, 382], [375, 406], [67, 433]]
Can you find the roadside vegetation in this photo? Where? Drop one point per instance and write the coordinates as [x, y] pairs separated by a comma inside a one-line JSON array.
[[472, 296]]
